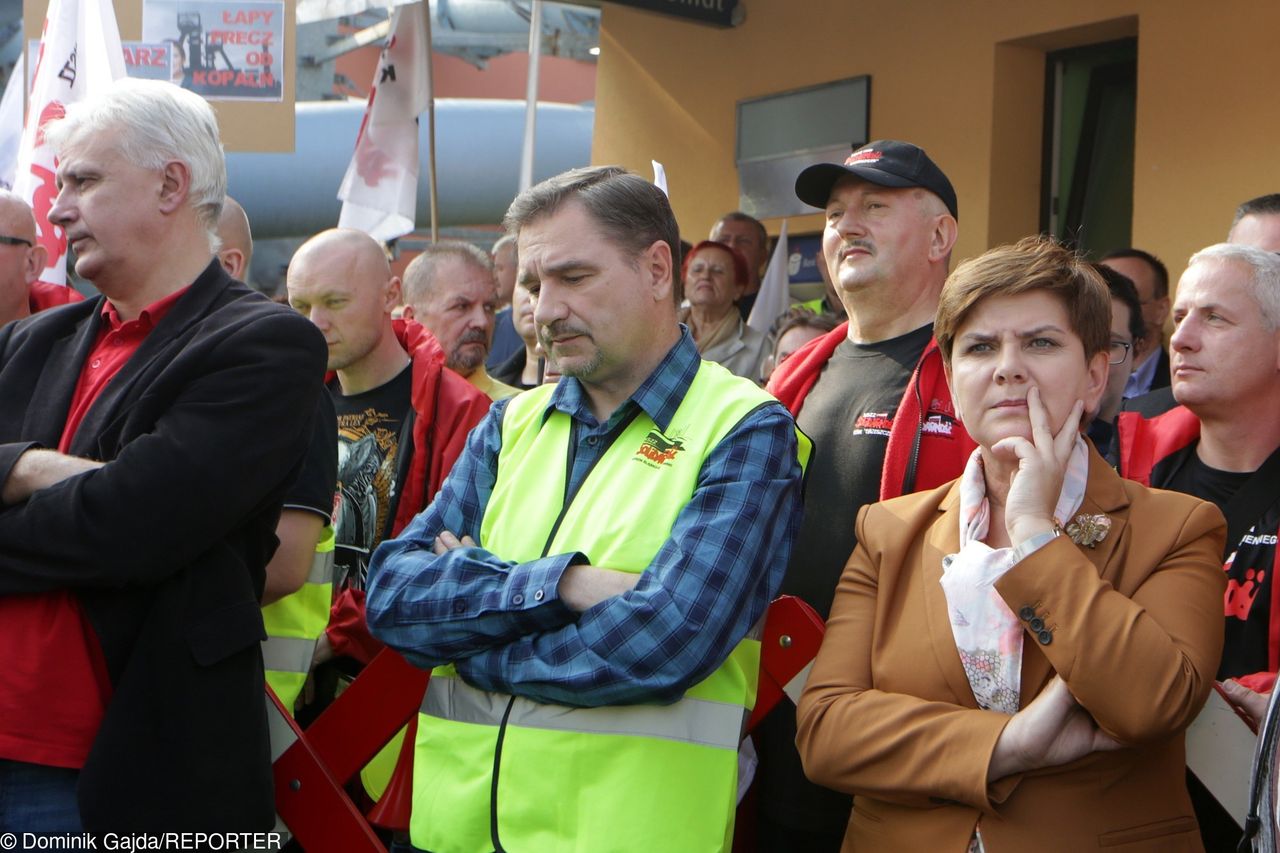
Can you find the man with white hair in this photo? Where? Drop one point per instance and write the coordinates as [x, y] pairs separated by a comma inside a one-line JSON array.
[[147, 438], [1222, 442], [21, 260]]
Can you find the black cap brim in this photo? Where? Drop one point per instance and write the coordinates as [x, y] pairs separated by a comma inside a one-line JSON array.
[[814, 184]]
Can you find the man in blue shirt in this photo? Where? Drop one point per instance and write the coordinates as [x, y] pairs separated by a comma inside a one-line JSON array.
[[547, 630]]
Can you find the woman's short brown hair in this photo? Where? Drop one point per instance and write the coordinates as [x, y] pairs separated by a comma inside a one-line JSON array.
[[1033, 263]]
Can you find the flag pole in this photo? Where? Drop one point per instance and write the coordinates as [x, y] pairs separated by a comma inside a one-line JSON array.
[[431, 132], [531, 95]]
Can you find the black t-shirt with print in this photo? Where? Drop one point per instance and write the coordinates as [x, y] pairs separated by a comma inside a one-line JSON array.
[[848, 414], [369, 434], [1249, 563]]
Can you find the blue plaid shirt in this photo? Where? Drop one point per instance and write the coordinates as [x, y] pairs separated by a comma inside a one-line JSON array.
[[503, 623]]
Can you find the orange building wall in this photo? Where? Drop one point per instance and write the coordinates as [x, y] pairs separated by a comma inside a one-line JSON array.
[[564, 81], [965, 81]]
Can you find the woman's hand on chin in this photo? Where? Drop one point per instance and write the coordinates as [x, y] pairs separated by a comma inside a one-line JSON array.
[[1051, 731], [1036, 482]]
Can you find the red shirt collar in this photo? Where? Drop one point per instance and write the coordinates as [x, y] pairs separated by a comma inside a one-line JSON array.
[[150, 316]]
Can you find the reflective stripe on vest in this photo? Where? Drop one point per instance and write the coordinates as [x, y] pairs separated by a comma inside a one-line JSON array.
[[696, 721], [645, 777], [295, 623], [288, 654]]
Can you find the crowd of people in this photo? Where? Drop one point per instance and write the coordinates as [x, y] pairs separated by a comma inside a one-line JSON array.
[[567, 479]]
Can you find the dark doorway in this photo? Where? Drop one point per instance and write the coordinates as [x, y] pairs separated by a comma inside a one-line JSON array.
[[1090, 110]]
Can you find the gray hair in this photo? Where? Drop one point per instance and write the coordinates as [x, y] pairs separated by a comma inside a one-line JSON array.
[[503, 242], [739, 216], [420, 274], [154, 122], [1264, 279], [633, 213]]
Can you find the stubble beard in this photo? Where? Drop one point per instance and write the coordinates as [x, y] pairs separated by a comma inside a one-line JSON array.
[[579, 371]]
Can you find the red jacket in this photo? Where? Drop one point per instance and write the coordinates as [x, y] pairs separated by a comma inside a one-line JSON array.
[[1145, 443], [41, 295], [445, 408], [927, 445]]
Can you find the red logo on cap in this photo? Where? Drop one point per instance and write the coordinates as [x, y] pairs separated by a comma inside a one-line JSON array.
[[868, 156]]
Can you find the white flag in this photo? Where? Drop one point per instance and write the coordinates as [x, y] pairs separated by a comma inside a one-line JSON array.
[[774, 297], [80, 55], [11, 124], [380, 190], [660, 177]]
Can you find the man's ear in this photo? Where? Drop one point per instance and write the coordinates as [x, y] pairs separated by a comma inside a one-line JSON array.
[[656, 261], [37, 260], [392, 297], [175, 185], [943, 238], [232, 261], [1165, 306]]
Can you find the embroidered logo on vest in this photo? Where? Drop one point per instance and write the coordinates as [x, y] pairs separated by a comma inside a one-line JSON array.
[[657, 450]]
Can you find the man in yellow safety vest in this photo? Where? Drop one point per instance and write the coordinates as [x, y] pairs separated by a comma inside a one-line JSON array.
[[587, 581]]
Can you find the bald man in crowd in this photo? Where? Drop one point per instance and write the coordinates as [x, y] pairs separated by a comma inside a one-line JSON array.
[[21, 261], [450, 288], [402, 417], [236, 251]]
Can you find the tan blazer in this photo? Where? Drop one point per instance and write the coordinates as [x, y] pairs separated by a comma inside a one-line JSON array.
[[1134, 626]]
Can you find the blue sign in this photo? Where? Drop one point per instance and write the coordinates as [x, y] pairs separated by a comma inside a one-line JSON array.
[[804, 255]]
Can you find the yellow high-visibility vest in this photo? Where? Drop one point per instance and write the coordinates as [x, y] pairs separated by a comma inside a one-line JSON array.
[[633, 777], [294, 625]]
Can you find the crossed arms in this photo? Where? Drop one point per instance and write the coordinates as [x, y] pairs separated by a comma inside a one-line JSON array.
[[556, 630]]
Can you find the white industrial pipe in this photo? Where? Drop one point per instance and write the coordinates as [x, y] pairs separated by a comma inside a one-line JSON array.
[[478, 147]]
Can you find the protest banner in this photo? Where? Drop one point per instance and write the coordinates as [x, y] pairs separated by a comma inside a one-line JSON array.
[[229, 50]]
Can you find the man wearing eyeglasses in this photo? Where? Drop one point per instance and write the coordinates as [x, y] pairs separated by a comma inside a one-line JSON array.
[[21, 260], [1126, 330], [1150, 356]]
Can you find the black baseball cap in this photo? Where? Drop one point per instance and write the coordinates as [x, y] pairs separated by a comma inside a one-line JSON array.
[[886, 162]]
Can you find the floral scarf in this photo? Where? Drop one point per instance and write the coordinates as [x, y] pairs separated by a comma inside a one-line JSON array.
[[987, 633]]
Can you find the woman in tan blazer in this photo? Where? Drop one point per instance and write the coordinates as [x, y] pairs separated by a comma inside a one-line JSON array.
[[1012, 658]]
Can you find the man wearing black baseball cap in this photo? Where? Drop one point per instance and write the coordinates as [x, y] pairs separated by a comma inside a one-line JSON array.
[[873, 397]]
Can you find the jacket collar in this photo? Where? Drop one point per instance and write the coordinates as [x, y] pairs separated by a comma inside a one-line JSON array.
[[58, 385]]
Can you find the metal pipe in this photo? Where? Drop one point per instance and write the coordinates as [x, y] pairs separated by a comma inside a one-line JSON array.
[[432, 186], [531, 96], [294, 194]]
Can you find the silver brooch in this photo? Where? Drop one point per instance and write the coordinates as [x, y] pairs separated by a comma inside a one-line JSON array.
[[1088, 530]]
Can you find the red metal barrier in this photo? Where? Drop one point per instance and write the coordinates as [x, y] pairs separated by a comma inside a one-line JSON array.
[[792, 634], [311, 772]]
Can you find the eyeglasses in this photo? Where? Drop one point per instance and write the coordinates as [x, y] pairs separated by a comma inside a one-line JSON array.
[[1119, 351], [697, 268], [14, 241]]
